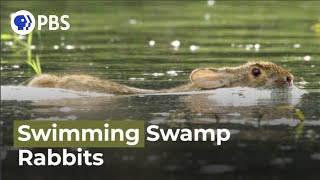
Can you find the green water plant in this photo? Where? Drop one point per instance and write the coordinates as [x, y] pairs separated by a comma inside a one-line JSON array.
[[29, 50], [20, 44], [34, 64]]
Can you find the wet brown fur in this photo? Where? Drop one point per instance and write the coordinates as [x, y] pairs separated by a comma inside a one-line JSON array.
[[272, 76]]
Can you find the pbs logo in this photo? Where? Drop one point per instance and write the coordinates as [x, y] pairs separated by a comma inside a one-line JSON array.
[[23, 22]]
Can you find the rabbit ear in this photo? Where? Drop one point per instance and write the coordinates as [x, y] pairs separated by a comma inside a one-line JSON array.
[[208, 78]]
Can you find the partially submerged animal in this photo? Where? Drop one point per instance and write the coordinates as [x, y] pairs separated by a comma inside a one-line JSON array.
[[252, 74]]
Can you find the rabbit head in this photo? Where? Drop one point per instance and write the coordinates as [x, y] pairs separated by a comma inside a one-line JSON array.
[[252, 74]]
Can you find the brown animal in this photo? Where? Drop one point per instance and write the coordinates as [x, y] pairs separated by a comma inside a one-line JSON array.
[[252, 74]]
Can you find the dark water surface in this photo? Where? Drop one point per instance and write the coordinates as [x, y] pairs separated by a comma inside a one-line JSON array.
[[275, 135]]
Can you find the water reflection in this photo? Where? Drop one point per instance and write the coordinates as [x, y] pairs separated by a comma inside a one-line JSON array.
[[237, 108], [266, 127]]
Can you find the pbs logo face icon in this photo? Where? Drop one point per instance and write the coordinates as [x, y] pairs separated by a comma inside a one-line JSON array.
[[22, 22]]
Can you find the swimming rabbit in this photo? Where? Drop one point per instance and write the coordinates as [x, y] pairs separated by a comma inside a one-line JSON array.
[[258, 74]]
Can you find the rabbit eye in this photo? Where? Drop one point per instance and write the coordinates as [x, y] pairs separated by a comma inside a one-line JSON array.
[[256, 72]]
